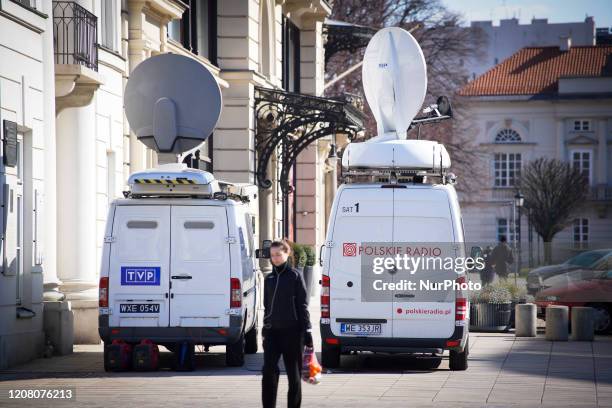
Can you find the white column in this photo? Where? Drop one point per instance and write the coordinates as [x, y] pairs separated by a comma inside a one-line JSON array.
[[76, 215], [136, 54], [51, 281]]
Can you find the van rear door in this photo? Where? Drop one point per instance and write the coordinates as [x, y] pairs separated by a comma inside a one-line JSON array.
[[363, 214], [200, 278], [139, 266], [423, 226]]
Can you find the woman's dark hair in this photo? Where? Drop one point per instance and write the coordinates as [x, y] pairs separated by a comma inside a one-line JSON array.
[[283, 245]]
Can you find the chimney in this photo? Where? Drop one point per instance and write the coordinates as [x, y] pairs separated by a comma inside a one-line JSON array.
[[565, 43]]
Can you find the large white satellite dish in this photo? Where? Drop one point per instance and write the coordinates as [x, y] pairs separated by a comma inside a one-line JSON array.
[[172, 103], [394, 81]]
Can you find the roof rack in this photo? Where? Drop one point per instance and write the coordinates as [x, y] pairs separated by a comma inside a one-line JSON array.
[[174, 179], [396, 159], [392, 175]]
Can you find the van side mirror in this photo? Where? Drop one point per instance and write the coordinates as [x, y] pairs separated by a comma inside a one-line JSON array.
[[264, 252]]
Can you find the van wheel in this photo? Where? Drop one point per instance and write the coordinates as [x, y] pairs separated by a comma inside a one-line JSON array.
[[458, 361], [330, 356], [106, 366], [251, 341], [234, 353]]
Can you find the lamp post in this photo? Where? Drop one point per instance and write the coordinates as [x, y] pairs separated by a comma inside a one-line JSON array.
[[519, 200]]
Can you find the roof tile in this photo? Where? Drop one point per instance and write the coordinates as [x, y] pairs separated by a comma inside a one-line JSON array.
[[536, 70]]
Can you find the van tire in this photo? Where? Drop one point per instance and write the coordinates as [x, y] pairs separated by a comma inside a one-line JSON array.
[[234, 353], [330, 356], [250, 346], [106, 367], [458, 361]]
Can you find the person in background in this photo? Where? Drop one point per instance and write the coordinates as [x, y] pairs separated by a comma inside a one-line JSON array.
[[487, 274], [501, 257], [286, 326]]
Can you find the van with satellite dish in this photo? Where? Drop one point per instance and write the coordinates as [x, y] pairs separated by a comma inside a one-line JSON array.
[[397, 198], [178, 263]]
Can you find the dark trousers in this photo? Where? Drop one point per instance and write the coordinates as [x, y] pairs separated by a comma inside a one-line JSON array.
[[289, 344]]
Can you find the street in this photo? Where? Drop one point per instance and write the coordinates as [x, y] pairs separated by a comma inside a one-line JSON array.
[[504, 371]]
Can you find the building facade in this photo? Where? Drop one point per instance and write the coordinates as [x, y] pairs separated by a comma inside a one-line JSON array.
[[70, 148], [26, 173], [503, 40], [553, 102]]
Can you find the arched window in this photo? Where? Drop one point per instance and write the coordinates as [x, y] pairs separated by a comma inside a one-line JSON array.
[[507, 135]]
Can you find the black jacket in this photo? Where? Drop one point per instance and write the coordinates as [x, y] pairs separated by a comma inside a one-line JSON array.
[[290, 307]]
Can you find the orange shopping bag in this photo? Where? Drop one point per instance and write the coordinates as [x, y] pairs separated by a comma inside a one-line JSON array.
[[311, 369]]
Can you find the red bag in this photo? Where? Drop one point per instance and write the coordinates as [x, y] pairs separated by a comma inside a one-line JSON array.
[[119, 356], [146, 356], [311, 369]]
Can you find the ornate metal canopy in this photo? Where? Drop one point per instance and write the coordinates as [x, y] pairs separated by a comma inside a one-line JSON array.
[[343, 36], [294, 121]]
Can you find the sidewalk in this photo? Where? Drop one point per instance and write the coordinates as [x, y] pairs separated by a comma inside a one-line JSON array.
[[504, 372]]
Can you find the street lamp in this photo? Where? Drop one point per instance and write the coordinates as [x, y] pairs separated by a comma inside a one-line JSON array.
[[519, 201]]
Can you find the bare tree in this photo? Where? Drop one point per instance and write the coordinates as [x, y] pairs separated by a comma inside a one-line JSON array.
[[446, 45], [553, 191]]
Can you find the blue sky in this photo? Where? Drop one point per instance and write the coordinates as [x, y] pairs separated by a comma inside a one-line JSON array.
[[557, 11]]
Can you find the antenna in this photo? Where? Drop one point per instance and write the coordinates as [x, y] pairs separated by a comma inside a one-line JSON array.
[[394, 81], [172, 103]]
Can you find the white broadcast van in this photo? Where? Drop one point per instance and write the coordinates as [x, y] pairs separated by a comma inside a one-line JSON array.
[[398, 197], [178, 265]]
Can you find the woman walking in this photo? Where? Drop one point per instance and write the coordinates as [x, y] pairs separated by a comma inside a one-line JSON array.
[[286, 326]]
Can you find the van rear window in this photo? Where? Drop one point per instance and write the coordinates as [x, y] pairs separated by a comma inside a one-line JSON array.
[[199, 225], [142, 224]]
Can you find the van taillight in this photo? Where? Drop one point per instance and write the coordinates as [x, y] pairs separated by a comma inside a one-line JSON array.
[[461, 303], [235, 293], [103, 292], [325, 296], [460, 309]]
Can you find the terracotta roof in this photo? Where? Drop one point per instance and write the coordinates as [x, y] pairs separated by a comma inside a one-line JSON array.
[[536, 70]]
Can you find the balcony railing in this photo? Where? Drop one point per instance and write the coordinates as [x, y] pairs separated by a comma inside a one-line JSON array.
[[75, 35]]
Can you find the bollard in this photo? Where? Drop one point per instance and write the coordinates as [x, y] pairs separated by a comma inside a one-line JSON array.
[[525, 320], [557, 323], [583, 323]]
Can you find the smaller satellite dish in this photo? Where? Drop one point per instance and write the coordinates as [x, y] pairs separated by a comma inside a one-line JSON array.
[[394, 79], [172, 103]]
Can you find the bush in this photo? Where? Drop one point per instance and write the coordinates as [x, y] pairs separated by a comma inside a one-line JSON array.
[[298, 256], [517, 293], [311, 258], [494, 293], [501, 291]]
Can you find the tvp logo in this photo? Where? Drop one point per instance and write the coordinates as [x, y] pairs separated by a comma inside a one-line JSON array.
[[140, 275], [349, 249]]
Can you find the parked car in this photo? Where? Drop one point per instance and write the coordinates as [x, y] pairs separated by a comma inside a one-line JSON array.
[[585, 287], [583, 260]]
